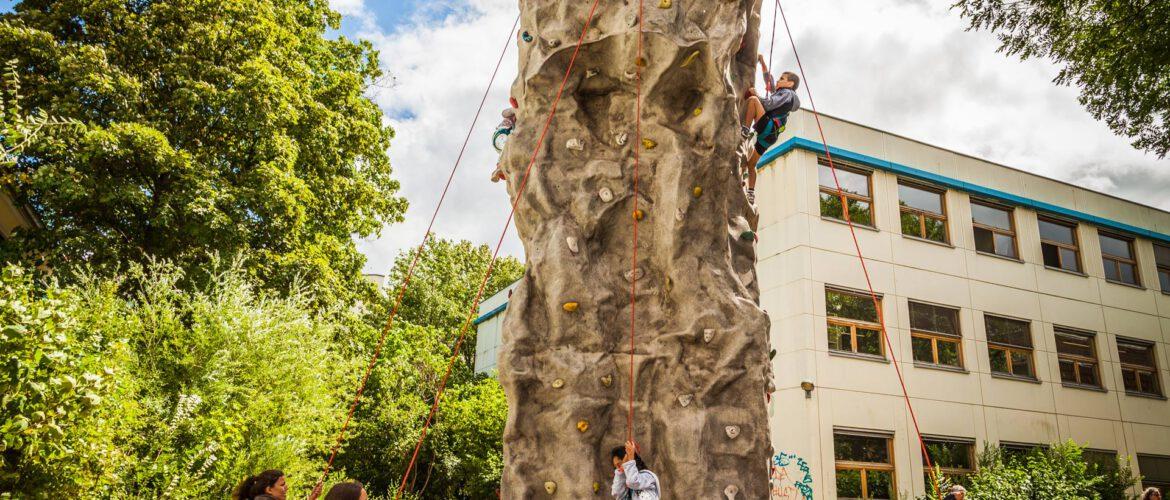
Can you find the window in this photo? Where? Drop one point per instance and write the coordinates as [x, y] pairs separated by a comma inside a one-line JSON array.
[[954, 459], [1101, 460], [1162, 257], [934, 335], [1058, 243], [924, 213], [1016, 451], [1120, 263], [995, 229], [1155, 472], [853, 323], [865, 468], [1009, 345], [1139, 370], [1077, 352], [855, 193]]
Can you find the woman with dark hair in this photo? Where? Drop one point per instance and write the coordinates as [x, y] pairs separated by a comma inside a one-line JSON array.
[[632, 480], [349, 490], [1151, 494], [267, 485]]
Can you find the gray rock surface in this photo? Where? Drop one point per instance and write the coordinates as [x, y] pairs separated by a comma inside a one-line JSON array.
[[701, 358]]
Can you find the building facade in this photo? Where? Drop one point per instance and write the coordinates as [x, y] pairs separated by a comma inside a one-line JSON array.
[[1022, 311]]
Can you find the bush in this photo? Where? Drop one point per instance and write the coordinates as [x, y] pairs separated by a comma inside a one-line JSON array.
[[1050, 473]]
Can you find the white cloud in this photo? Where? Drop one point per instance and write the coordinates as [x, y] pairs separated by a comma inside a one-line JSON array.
[[906, 66]]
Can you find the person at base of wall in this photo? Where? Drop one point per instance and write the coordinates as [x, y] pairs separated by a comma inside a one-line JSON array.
[[268, 485], [1151, 493], [632, 480], [957, 493]]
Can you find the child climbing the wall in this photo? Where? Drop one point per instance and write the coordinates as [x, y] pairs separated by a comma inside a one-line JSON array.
[[767, 117], [500, 136], [632, 480]]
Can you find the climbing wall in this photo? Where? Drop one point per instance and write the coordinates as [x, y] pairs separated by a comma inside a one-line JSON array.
[[701, 360]]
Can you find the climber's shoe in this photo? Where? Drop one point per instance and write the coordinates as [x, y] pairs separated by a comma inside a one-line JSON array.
[[746, 131]]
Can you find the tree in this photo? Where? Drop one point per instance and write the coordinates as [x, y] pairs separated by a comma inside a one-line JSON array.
[[1057, 472], [206, 127], [1117, 53]]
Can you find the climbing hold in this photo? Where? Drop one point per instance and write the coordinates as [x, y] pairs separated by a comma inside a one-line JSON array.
[[550, 487], [685, 399], [552, 44], [748, 235], [697, 192], [649, 144], [590, 73], [698, 111], [571, 306], [690, 59], [575, 144], [607, 380], [732, 431], [708, 334], [640, 62], [679, 214], [622, 138], [668, 285], [631, 75], [664, 4], [605, 194], [639, 214], [582, 425], [731, 491], [572, 242], [634, 274], [558, 383], [526, 37], [596, 487]]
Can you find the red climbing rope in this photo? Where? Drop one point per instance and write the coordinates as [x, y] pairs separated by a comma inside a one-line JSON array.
[[639, 63], [414, 262], [772, 43], [496, 253], [860, 255]]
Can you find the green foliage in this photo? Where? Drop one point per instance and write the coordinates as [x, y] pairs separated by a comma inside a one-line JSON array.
[[1056, 472], [1117, 53], [17, 127], [203, 127]]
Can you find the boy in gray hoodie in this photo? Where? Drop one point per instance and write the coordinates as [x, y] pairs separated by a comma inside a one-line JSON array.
[[767, 117]]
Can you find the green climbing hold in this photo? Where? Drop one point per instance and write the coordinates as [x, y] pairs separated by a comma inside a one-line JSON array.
[[748, 235], [526, 37]]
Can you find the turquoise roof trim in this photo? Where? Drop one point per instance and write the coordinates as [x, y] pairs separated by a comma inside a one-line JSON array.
[[983, 192], [490, 314]]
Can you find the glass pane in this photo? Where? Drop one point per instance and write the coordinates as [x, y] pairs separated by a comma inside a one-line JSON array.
[[848, 483], [932, 318], [1022, 364], [860, 449], [1162, 255], [847, 305], [1069, 260], [1155, 469], [831, 206], [1129, 377], [879, 483], [1080, 345], [1088, 373], [1051, 254], [911, 224], [999, 362], [950, 455], [840, 338], [1059, 233], [1128, 273], [984, 240], [923, 352], [948, 353], [869, 341], [991, 216], [1132, 354], [911, 196], [1068, 371], [1164, 279], [1008, 331], [1115, 246], [860, 212], [936, 229], [851, 182], [1149, 383], [1005, 245], [1111, 272]]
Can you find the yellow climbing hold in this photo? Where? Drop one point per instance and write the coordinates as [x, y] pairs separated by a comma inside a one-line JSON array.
[[596, 487], [638, 214], [664, 4], [698, 191], [582, 425], [550, 487], [698, 111], [571, 306], [558, 383], [690, 59], [649, 144]]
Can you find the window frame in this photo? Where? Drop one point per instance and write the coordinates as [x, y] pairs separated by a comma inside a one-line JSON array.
[[1162, 483], [1078, 359], [863, 467], [854, 324], [1011, 348], [1075, 247], [951, 471], [846, 196], [1107, 259], [935, 337], [1013, 233], [1153, 369], [1163, 268], [924, 214]]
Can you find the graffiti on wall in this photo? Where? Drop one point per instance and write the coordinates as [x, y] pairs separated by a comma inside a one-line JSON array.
[[791, 478]]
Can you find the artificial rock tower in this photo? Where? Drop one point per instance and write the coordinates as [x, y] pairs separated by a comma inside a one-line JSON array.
[[701, 357]]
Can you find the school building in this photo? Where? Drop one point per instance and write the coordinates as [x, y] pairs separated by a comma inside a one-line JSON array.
[[1022, 311]]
